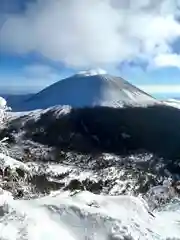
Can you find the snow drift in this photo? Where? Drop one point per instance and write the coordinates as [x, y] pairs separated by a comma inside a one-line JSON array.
[[85, 216]]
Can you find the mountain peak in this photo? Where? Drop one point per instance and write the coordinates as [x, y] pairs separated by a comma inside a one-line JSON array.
[[92, 72], [77, 91]]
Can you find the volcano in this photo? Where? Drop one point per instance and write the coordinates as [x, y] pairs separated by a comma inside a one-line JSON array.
[[89, 89]]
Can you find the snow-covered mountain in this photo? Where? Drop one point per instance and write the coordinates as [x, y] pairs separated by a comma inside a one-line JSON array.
[[88, 88], [14, 100]]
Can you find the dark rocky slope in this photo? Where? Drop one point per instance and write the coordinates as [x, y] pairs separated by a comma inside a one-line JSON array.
[[153, 129], [143, 143]]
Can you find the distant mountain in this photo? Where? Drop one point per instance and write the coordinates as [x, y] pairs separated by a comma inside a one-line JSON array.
[[88, 89], [15, 100]]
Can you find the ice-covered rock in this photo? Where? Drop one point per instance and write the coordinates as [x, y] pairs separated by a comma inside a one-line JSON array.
[[3, 103], [161, 194], [4, 108], [7, 161]]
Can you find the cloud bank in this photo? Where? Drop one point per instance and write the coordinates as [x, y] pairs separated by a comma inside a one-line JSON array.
[[91, 33]]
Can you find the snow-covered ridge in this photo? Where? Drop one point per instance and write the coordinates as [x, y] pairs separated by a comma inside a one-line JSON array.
[[85, 216], [172, 102], [7, 161]]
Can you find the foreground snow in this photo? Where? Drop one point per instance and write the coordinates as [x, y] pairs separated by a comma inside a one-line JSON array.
[[84, 216]]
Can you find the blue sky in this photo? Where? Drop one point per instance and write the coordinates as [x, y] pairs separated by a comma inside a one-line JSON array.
[[44, 41]]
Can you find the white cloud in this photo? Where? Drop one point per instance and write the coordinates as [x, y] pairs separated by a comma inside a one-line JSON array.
[[167, 60], [160, 88], [88, 33]]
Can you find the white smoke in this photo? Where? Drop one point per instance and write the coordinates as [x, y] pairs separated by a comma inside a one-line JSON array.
[[88, 33]]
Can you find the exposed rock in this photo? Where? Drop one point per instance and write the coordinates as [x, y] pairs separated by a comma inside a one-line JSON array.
[[74, 185], [43, 185]]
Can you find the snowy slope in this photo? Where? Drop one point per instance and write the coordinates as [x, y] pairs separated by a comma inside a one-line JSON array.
[[172, 102], [89, 88], [84, 215]]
